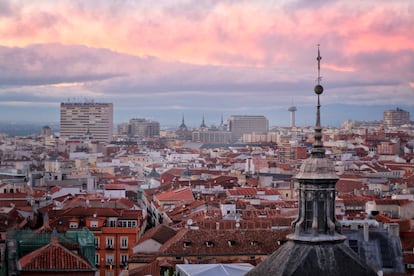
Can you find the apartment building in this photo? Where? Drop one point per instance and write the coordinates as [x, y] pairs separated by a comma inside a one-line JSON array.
[[144, 128], [115, 231], [87, 119], [396, 117]]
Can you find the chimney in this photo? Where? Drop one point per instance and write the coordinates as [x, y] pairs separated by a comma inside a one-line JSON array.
[[366, 231], [54, 239], [217, 225], [46, 221]]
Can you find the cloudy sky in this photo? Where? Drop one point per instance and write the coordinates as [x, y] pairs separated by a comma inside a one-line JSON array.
[[164, 59]]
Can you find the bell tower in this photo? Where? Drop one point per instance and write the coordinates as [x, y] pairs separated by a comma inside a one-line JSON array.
[[317, 180]]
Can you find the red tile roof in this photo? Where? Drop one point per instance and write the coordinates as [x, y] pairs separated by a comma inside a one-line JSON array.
[[253, 191], [183, 194], [114, 187], [160, 233], [54, 257], [223, 242], [399, 202], [348, 186]]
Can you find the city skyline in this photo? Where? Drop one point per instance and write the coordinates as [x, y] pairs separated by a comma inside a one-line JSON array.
[[166, 60]]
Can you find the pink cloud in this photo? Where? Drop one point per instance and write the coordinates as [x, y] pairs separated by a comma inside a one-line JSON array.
[[236, 33]]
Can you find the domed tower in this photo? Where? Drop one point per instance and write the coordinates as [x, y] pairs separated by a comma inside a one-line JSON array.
[[183, 133], [316, 246], [203, 124], [183, 126]]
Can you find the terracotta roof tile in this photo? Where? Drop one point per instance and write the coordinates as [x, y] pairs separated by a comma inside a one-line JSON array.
[[54, 257], [183, 194], [114, 187], [253, 191], [160, 233], [224, 242]]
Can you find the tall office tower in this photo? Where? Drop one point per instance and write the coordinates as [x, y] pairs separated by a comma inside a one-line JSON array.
[[78, 119], [144, 128], [244, 124], [396, 117]]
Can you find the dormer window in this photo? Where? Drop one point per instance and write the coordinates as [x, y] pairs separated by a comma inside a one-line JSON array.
[[73, 224], [187, 244], [231, 242], [254, 243], [209, 243], [112, 222]]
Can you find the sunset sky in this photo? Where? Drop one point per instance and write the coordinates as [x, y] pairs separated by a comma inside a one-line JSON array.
[[162, 59]]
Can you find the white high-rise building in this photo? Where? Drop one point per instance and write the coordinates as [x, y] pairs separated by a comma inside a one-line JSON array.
[[87, 119], [396, 117], [245, 124]]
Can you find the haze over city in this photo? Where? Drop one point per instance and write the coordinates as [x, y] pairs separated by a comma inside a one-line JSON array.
[[166, 59]]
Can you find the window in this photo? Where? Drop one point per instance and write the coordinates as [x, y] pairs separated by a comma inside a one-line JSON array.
[[109, 242], [124, 259], [73, 224], [97, 258], [109, 259], [124, 242], [111, 222], [97, 243], [353, 244], [127, 223], [94, 224]]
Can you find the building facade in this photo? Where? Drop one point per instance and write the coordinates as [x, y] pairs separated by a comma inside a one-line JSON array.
[[144, 128], [209, 136], [396, 117], [289, 153], [87, 119], [242, 124]]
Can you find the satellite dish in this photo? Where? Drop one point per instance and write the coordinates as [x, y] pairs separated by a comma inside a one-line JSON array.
[[189, 222], [237, 225]]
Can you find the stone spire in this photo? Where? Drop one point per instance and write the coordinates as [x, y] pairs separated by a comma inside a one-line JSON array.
[[318, 149], [183, 125], [316, 246], [317, 179], [203, 124]]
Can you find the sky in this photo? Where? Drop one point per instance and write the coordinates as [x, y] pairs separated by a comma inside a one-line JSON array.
[[162, 60]]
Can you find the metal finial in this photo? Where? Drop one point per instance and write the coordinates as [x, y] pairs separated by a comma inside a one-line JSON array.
[[318, 149], [319, 65]]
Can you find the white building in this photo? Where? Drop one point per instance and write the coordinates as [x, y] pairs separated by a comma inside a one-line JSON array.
[[89, 120]]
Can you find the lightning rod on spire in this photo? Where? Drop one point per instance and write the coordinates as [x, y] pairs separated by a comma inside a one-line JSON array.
[[319, 65]]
